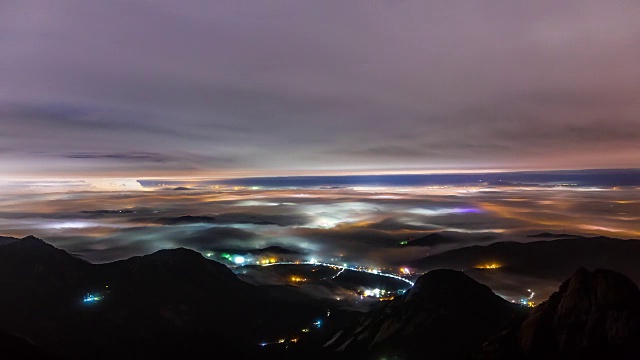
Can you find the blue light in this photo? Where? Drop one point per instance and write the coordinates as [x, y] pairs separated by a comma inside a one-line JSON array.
[[89, 298]]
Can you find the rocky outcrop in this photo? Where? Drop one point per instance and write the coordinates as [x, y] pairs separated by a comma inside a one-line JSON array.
[[592, 314], [445, 315]]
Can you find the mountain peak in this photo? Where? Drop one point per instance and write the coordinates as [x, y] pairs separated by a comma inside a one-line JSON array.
[[446, 314], [592, 311], [32, 239], [32, 247], [446, 286]]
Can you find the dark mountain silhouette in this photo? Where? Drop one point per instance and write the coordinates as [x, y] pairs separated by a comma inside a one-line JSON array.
[[446, 238], [448, 315], [274, 249], [14, 347], [593, 314], [552, 259], [445, 315], [178, 304], [431, 240], [7, 240], [169, 303], [554, 235]]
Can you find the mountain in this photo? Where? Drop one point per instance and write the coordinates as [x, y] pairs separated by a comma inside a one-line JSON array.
[[169, 303], [448, 238], [550, 235], [445, 315], [593, 315], [273, 250], [7, 240], [178, 304], [432, 240], [16, 347], [552, 259], [448, 315]]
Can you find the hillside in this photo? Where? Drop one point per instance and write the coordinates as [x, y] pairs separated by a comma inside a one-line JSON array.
[[552, 259], [169, 302]]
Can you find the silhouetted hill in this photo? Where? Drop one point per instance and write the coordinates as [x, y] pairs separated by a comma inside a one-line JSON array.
[[445, 315], [274, 249], [448, 315], [593, 314], [447, 238], [178, 304], [169, 303], [14, 347], [7, 240], [36, 277], [553, 259], [431, 240], [554, 235]]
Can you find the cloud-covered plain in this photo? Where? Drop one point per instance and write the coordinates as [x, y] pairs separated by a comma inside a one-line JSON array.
[[361, 225]]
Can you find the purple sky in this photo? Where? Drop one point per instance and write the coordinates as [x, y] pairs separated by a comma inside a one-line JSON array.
[[223, 88]]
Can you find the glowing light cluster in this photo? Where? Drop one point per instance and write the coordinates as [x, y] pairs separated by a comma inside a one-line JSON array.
[[315, 262], [374, 292], [90, 298], [489, 266]]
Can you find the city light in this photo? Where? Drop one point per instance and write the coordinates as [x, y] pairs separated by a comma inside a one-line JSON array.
[[89, 298], [316, 262], [238, 260], [489, 266]]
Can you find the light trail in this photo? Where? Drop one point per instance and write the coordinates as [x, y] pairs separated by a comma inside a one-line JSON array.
[[338, 274], [375, 272]]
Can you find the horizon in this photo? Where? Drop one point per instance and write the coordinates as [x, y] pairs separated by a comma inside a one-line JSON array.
[[229, 89]]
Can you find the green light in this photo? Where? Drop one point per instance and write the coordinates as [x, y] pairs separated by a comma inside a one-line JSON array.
[[405, 242]]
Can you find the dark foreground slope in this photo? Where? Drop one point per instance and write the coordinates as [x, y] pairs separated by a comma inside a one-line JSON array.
[[167, 304], [593, 315], [445, 315], [178, 304]]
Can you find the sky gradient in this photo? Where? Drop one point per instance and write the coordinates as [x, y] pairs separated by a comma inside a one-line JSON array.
[[244, 88]]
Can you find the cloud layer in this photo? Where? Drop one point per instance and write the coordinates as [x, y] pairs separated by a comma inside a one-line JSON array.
[[360, 225]]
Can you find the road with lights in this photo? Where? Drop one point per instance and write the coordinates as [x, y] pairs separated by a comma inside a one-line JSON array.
[[342, 267]]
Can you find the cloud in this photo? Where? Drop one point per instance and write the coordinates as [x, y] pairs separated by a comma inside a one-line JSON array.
[[140, 157], [310, 88], [215, 238], [237, 218]]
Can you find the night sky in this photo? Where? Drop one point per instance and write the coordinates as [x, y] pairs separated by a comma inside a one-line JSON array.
[[174, 89]]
